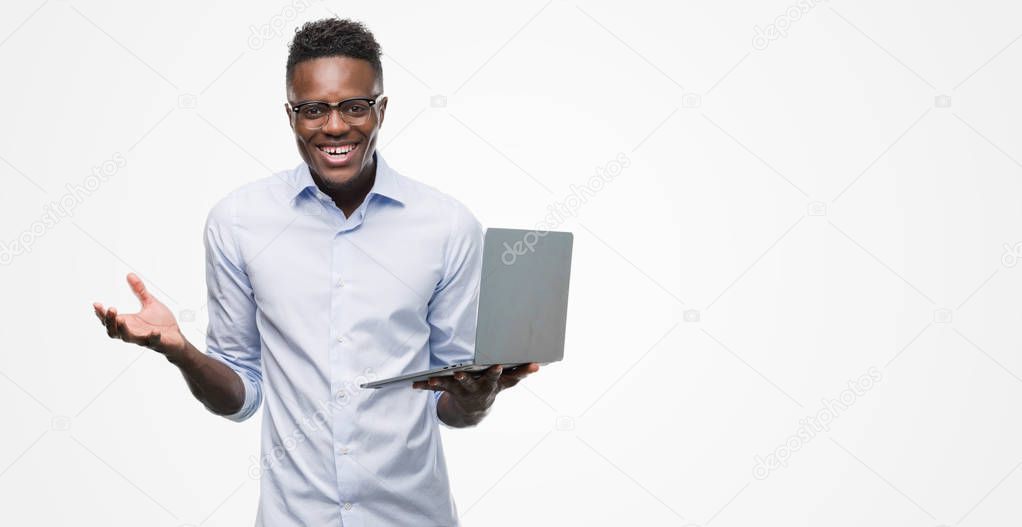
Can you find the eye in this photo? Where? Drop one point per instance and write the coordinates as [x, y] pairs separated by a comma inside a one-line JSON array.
[[356, 109], [312, 111]]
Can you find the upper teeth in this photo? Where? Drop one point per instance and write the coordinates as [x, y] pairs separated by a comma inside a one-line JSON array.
[[343, 149]]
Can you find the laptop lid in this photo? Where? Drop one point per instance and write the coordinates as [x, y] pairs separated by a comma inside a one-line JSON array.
[[523, 296]]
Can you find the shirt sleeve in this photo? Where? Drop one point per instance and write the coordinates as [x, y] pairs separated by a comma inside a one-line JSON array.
[[232, 336], [455, 301]]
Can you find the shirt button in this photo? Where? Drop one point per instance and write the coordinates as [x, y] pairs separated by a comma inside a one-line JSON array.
[[340, 339], [340, 283], [347, 506], [342, 450]]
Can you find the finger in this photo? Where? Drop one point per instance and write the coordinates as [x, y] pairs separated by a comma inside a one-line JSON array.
[[515, 372], [446, 384], [129, 337], [523, 371], [139, 289], [510, 379], [492, 375], [483, 383], [467, 382], [110, 321], [122, 330], [424, 385], [153, 340], [98, 309], [493, 372], [508, 382]]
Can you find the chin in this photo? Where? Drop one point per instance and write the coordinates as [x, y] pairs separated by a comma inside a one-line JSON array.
[[338, 176]]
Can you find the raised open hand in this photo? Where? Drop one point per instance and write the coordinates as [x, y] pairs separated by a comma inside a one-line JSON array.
[[154, 326]]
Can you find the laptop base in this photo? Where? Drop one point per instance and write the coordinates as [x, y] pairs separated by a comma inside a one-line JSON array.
[[445, 371]]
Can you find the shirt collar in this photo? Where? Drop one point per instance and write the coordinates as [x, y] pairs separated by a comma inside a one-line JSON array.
[[386, 183]]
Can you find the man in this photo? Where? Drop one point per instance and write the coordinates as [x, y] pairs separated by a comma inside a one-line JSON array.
[[321, 278]]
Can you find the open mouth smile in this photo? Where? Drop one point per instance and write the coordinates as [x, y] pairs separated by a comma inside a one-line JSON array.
[[339, 154]]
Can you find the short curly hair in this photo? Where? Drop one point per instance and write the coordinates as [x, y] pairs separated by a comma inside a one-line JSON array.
[[334, 37]]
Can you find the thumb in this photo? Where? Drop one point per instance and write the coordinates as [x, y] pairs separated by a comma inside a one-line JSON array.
[[152, 340], [139, 289]]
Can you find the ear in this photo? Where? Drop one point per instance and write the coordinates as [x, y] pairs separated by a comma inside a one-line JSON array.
[[383, 109], [287, 114]]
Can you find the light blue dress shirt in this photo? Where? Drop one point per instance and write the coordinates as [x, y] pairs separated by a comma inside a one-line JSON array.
[[306, 305]]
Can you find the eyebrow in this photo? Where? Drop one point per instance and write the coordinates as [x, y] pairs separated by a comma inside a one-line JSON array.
[[306, 101]]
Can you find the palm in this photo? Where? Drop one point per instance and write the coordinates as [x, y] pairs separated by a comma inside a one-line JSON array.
[[152, 318], [153, 326]]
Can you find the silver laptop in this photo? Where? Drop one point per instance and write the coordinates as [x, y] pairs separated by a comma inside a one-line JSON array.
[[523, 303]]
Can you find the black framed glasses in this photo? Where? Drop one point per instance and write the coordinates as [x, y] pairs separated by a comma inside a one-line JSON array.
[[315, 114]]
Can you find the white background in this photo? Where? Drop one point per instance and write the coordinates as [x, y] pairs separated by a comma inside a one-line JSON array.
[[834, 200]]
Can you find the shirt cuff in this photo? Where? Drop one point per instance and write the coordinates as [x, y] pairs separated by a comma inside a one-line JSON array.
[[436, 410], [252, 396]]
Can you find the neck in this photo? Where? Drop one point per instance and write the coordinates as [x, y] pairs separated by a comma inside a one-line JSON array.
[[349, 196]]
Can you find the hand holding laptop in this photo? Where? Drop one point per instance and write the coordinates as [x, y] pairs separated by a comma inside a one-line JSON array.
[[475, 392], [469, 398]]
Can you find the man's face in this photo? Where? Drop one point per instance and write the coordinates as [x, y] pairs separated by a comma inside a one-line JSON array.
[[331, 80]]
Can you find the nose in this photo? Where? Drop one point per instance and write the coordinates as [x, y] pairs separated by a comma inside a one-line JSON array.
[[335, 125]]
